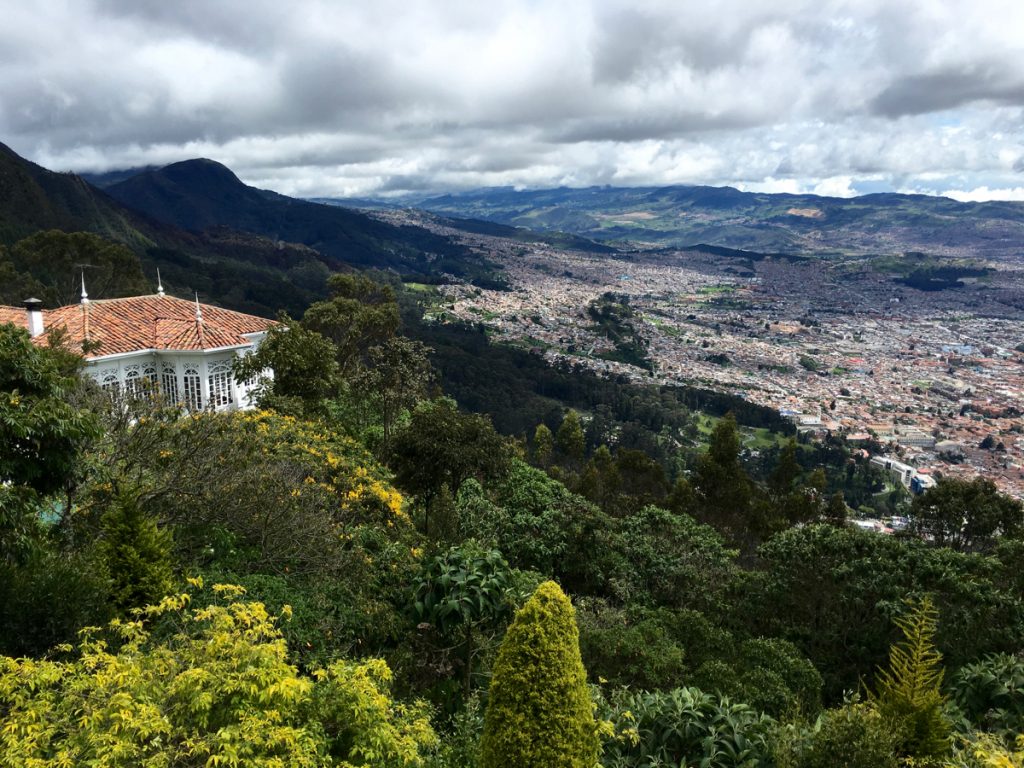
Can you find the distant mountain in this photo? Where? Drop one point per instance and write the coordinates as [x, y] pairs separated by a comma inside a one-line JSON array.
[[240, 270], [200, 194], [800, 224], [33, 199]]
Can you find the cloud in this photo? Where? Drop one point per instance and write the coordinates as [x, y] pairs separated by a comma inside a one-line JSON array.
[[317, 97]]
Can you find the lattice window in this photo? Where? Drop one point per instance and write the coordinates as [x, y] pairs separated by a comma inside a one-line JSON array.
[[219, 379], [169, 383], [134, 386], [193, 398], [110, 381]]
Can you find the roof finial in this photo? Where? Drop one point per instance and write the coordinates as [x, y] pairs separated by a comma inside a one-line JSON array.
[[85, 296], [159, 284], [199, 311]]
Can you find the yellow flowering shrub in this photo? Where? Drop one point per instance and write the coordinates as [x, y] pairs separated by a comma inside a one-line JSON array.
[[216, 692], [335, 462]]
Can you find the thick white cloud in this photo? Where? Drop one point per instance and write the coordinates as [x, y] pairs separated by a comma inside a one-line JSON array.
[[325, 98]]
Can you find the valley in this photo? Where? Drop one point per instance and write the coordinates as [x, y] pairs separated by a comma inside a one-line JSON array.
[[839, 346]]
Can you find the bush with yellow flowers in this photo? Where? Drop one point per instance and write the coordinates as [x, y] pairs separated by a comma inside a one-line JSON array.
[[218, 691]]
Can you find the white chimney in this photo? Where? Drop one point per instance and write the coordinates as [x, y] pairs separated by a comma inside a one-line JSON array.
[[35, 316]]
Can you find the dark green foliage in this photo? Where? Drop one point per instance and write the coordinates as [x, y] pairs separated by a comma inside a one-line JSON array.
[[47, 598], [520, 390], [614, 318], [853, 736], [629, 647], [989, 694], [543, 445], [462, 587], [135, 555], [304, 366], [396, 377], [443, 446], [569, 439], [540, 525], [672, 560], [685, 727], [359, 314], [55, 259], [539, 713], [462, 590], [966, 515], [44, 429], [769, 674], [724, 494], [907, 692], [833, 592], [41, 432]]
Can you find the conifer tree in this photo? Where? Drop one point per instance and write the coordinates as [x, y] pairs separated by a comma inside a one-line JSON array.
[[136, 554], [539, 713], [908, 693]]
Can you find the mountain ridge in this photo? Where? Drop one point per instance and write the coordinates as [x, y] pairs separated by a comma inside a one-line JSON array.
[[802, 224]]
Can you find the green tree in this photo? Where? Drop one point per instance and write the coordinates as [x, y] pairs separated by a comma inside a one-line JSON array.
[[135, 553], [853, 736], [397, 376], [966, 515], [570, 439], [908, 693], [291, 364], [56, 260], [543, 445], [43, 432], [539, 713], [832, 591], [539, 524], [16, 286], [724, 492], [358, 315], [443, 446], [460, 591]]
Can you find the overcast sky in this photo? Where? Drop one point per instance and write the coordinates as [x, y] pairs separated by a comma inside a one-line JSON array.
[[364, 97]]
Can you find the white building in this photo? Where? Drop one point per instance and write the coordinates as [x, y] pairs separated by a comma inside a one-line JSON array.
[[182, 349]]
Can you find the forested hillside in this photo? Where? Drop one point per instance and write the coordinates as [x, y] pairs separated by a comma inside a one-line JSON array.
[[362, 573], [247, 249]]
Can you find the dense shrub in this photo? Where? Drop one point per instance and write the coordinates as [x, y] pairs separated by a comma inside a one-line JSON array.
[[990, 694], [684, 727], [853, 736], [218, 692]]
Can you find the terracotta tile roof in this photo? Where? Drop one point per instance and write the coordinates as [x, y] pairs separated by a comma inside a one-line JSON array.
[[16, 315], [146, 322]]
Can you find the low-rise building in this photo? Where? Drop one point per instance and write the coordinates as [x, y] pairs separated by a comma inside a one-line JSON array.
[[184, 350]]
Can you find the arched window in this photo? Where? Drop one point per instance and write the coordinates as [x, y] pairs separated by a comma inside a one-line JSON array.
[[110, 381], [193, 395], [219, 380], [169, 382]]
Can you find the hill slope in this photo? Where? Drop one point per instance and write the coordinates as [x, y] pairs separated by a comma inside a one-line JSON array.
[[199, 194]]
